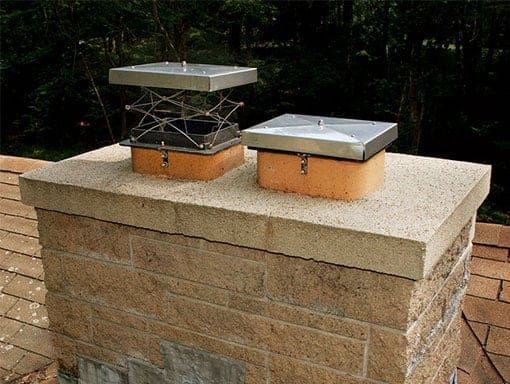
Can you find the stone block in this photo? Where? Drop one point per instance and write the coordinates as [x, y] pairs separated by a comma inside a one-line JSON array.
[[69, 317], [444, 356], [285, 371], [54, 279], [318, 347], [190, 263], [394, 357], [110, 284], [429, 329], [127, 341], [84, 236], [119, 317], [425, 289], [325, 322], [387, 356], [67, 351], [189, 365], [342, 291], [235, 326]]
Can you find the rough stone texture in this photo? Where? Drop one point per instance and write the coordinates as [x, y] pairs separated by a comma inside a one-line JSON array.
[[188, 263], [280, 317], [67, 351], [189, 365], [285, 371], [341, 291], [376, 233], [78, 235]]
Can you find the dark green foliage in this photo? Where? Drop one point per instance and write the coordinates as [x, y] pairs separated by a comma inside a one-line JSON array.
[[439, 68]]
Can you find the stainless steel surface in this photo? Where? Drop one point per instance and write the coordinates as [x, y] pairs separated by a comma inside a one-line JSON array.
[[194, 77], [325, 136]]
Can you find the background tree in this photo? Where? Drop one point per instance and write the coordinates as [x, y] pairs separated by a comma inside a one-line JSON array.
[[441, 69]]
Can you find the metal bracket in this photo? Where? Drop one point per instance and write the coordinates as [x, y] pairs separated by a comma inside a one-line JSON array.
[[164, 157], [304, 162]]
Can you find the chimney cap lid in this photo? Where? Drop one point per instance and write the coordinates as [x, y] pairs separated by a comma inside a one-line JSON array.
[[325, 136], [183, 76]]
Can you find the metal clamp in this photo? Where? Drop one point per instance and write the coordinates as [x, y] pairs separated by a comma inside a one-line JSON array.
[[164, 157], [304, 162]]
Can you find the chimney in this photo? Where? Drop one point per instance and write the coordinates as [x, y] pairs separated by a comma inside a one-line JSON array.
[[160, 280]]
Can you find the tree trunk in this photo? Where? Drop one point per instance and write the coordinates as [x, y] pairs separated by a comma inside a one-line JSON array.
[[99, 98], [416, 110], [347, 17]]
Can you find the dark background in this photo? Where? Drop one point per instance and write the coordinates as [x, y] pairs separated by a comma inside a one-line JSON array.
[[440, 69]]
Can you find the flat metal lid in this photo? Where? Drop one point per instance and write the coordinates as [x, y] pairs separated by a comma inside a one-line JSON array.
[[194, 77], [325, 136]]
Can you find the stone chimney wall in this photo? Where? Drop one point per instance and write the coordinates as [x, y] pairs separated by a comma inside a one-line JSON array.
[[132, 299]]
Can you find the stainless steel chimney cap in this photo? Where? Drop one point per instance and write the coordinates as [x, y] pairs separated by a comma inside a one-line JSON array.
[[183, 76], [324, 136]]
